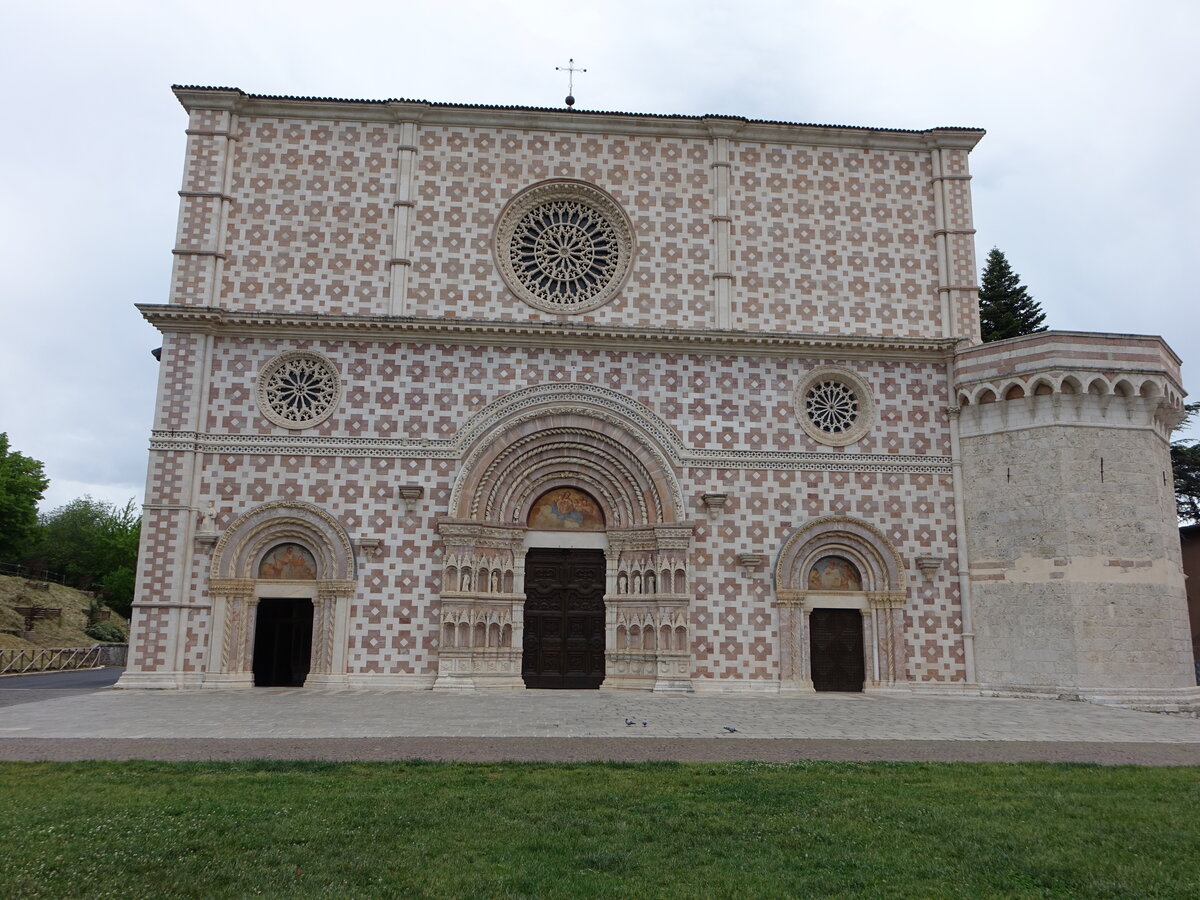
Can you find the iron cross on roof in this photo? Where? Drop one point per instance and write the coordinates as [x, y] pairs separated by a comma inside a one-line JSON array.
[[570, 69]]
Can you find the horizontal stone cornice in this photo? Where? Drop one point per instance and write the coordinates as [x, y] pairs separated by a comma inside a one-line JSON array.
[[687, 458], [182, 319]]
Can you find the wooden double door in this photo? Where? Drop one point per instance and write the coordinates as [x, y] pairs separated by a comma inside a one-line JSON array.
[[836, 641], [564, 619]]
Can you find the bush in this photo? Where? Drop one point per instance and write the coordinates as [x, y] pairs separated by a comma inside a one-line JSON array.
[[106, 633]]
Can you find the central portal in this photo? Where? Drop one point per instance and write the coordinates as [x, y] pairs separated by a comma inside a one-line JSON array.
[[564, 619]]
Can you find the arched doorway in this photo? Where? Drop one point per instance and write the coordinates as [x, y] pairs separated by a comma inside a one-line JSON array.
[[839, 587], [281, 579], [283, 628], [573, 469]]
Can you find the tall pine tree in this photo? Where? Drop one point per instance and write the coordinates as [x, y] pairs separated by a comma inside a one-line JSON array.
[[1005, 308], [1185, 461]]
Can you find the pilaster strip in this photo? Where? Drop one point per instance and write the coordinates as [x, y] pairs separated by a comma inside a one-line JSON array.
[[403, 207]]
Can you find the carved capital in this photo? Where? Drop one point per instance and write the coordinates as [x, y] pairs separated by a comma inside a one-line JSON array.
[[885, 599], [234, 588], [333, 590]]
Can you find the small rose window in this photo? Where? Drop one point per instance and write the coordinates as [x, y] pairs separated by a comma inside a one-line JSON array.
[[834, 406], [298, 389]]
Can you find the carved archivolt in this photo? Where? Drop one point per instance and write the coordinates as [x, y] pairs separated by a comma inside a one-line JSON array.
[[254, 534], [550, 446], [872, 554]]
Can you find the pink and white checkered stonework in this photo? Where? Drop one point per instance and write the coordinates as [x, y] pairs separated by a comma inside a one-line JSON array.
[[740, 359]]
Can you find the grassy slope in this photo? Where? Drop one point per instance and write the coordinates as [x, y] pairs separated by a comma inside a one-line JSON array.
[[589, 830], [66, 632]]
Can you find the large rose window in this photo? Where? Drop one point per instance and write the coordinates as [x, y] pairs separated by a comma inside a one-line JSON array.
[[564, 247]]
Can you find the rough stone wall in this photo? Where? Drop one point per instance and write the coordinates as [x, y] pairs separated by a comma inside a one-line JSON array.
[[1074, 566]]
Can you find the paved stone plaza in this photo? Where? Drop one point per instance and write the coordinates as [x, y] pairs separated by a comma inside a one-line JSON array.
[[293, 723]]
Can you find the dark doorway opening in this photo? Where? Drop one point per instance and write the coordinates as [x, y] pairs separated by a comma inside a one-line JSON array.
[[837, 649], [282, 642], [564, 619]]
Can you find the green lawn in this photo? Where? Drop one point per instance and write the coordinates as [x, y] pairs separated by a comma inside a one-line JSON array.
[[649, 829]]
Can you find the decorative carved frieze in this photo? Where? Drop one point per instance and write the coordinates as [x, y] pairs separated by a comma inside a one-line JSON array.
[[232, 587]]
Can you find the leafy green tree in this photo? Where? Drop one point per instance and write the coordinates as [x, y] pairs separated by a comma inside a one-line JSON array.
[[22, 485], [95, 545], [1185, 464], [1005, 308]]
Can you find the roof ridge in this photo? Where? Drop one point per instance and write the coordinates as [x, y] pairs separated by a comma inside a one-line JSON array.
[[553, 109]]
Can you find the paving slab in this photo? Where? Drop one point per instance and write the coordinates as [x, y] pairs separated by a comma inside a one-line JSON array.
[[285, 714]]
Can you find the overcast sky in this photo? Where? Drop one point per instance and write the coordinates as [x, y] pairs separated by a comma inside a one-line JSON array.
[[1086, 179]]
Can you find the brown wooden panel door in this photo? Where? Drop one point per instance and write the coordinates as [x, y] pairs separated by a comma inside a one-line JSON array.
[[564, 619], [836, 639]]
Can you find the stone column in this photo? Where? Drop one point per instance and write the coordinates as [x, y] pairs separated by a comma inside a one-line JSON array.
[[794, 675], [870, 649], [805, 645], [331, 624], [230, 651]]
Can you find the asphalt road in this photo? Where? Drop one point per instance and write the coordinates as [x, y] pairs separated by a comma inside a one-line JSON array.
[[16, 689]]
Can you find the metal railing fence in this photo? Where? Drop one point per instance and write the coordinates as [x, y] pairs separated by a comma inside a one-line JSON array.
[[33, 574], [52, 659]]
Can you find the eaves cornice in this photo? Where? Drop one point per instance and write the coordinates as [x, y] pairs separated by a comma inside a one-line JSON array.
[[206, 320], [573, 120]]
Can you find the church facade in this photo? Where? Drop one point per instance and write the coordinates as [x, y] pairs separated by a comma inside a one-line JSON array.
[[468, 398]]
